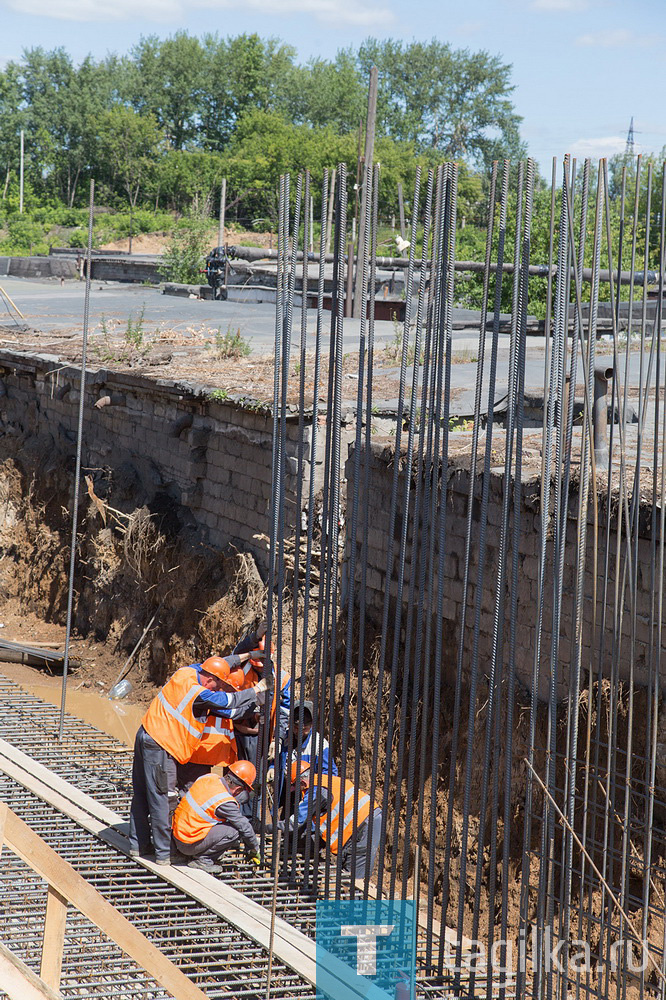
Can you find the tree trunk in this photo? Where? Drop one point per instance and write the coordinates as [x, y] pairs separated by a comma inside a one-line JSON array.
[[70, 202]]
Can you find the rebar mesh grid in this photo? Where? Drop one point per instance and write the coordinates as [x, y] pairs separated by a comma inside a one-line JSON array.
[[217, 957]]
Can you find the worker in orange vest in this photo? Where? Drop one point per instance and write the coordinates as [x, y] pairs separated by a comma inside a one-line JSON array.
[[169, 734], [332, 811], [217, 746], [209, 821], [260, 664]]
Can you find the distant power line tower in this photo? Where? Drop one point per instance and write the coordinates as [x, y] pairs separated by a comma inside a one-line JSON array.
[[629, 148]]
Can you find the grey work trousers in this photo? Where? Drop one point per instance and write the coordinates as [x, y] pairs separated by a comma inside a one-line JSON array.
[[248, 749], [188, 774], [364, 862], [222, 837], [154, 784]]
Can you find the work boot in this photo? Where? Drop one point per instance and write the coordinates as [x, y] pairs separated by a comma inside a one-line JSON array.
[[146, 852], [161, 861], [205, 866]]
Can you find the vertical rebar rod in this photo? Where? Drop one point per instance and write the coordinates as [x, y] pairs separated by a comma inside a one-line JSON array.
[[362, 288], [77, 465]]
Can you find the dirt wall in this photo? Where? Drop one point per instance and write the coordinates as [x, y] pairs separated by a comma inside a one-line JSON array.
[[203, 462]]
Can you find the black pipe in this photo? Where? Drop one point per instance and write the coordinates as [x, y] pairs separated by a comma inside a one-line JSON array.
[[538, 270]]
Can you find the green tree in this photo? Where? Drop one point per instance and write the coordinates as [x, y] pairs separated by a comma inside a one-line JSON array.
[[455, 101], [166, 79], [184, 178], [130, 143], [183, 258], [243, 73], [324, 93], [11, 121]]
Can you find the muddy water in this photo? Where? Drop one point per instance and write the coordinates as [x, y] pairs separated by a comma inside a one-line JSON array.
[[112, 717]]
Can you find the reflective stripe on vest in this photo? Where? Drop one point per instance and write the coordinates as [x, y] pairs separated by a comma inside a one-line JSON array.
[[217, 744], [212, 803], [178, 714], [329, 822], [310, 749], [195, 816], [170, 720]]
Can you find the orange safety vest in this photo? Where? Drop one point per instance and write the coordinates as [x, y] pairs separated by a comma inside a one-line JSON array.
[[329, 822], [170, 720], [195, 816], [218, 743]]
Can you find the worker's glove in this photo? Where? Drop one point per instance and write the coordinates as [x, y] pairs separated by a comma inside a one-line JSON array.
[[253, 858], [261, 686], [270, 774], [261, 630], [281, 825]]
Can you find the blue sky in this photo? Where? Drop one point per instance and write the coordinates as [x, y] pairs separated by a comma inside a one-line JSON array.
[[582, 68]]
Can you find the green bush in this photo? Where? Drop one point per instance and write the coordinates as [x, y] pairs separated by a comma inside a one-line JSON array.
[[117, 226], [183, 258], [24, 237], [231, 344]]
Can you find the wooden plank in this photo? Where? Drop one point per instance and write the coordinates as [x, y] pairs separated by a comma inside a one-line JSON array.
[[293, 948], [69, 884], [3, 817], [19, 982], [54, 938]]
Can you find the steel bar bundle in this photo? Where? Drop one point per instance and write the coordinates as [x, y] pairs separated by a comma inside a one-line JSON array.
[[475, 613]]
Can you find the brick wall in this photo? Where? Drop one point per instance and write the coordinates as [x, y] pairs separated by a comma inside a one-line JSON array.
[[169, 438], [381, 475]]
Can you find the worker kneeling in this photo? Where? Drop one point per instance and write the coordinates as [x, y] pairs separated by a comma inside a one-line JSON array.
[[333, 818], [208, 820]]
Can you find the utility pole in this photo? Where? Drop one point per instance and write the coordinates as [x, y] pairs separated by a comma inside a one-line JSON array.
[[311, 224], [21, 179], [223, 209], [370, 125], [331, 199], [359, 171]]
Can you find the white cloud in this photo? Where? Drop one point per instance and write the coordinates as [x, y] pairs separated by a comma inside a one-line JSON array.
[[560, 5], [595, 149], [611, 38], [98, 10], [329, 11], [363, 12]]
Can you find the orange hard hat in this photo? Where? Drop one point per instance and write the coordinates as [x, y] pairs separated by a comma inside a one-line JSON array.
[[236, 679], [304, 768], [261, 648], [217, 666], [244, 770]]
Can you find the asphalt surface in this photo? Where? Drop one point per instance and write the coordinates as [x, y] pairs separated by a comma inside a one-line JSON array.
[[52, 307]]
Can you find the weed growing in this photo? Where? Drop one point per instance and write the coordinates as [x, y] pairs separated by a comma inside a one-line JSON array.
[[230, 345]]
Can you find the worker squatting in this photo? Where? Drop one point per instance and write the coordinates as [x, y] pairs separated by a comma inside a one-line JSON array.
[[209, 714]]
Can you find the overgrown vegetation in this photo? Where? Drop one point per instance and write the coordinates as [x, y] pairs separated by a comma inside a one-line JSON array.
[[231, 344], [162, 125], [183, 258]]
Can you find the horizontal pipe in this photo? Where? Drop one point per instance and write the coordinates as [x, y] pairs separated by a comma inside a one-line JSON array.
[[34, 659], [540, 270]]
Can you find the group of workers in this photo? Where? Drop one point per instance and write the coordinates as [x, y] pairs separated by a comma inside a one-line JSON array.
[[210, 714]]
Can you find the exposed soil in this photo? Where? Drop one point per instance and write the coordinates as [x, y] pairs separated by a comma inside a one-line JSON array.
[[136, 565], [143, 562], [156, 243]]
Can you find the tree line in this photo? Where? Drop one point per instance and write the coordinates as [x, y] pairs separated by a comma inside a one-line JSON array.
[[161, 125]]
